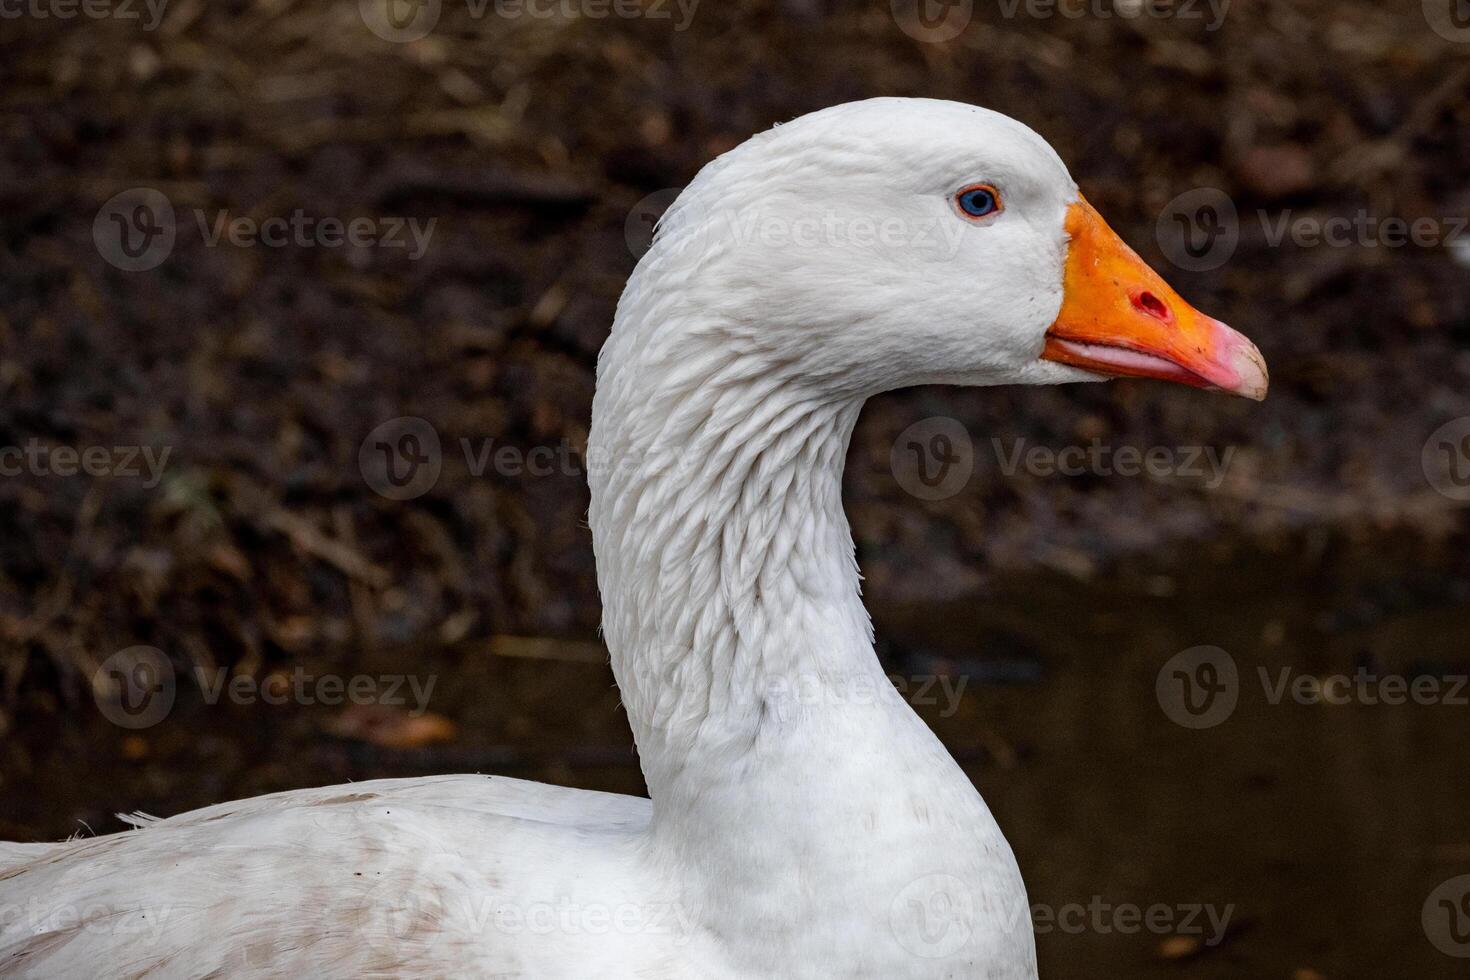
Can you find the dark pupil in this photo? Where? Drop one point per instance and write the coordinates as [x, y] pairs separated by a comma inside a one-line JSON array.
[[978, 202]]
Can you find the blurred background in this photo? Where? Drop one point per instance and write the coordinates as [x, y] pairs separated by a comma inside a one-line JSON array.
[[246, 245]]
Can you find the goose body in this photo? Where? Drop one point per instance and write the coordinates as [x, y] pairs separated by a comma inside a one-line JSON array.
[[803, 822]]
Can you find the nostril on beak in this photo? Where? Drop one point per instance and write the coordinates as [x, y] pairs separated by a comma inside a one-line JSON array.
[[1147, 302]]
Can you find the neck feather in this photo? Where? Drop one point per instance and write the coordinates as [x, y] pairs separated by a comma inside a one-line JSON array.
[[769, 737], [725, 560]]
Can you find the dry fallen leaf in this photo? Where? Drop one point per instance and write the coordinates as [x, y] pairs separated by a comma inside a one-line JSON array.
[[1280, 171], [392, 728], [1179, 947]]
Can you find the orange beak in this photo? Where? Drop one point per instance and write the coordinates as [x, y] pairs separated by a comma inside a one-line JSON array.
[[1118, 318]]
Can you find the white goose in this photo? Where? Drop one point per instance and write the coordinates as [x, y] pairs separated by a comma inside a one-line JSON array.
[[804, 823]]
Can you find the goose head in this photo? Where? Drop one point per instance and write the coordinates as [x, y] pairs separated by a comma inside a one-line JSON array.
[[893, 242]]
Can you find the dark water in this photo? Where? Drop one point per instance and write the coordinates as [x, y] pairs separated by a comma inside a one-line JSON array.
[[1302, 837], [1323, 828]]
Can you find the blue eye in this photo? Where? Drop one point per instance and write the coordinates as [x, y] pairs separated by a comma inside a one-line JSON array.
[[979, 201]]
